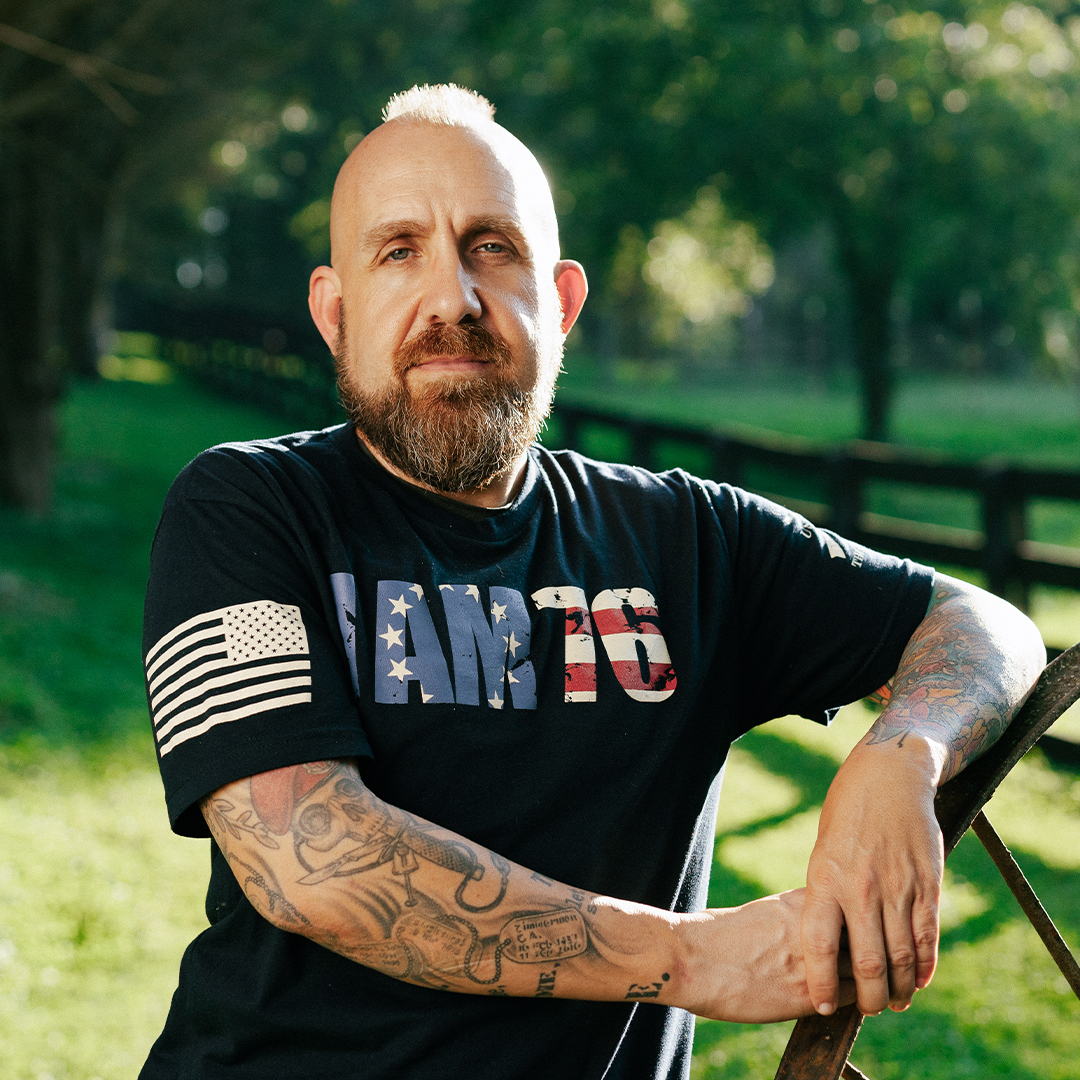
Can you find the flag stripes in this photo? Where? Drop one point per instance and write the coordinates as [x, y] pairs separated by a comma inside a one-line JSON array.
[[226, 665]]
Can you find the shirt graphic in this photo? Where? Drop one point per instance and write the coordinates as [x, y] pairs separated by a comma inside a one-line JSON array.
[[224, 665]]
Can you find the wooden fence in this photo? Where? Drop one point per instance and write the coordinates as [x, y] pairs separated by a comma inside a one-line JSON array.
[[1000, 548]]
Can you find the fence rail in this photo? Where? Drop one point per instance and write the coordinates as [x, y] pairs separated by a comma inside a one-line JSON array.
[[1001, 549]]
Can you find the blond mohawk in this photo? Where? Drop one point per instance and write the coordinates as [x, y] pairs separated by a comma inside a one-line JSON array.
[[445, 104]]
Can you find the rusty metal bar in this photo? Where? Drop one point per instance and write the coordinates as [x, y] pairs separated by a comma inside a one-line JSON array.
[[1025, 896], [819, 1045], [849, 1072]]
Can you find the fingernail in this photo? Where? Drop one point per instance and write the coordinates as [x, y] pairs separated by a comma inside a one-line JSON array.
[[826, 1008]]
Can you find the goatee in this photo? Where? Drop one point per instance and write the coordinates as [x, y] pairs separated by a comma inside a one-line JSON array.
[[458, 434]]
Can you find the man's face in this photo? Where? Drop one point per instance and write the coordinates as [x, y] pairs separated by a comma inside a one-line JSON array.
[[449, 337]]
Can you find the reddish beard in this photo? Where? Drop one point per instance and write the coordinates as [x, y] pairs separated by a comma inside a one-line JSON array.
[[459, 433]]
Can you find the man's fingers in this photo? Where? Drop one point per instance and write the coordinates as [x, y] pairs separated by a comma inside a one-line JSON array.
[[911, 934], [925, 928], [869, 962], [822, 923]]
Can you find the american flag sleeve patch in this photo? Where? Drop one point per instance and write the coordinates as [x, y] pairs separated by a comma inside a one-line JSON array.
[[226, 665]]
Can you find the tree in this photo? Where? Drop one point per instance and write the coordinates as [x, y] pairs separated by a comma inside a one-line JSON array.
[[938, 143], [90, 91]]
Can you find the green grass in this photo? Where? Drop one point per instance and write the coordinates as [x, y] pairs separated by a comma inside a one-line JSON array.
[[97, 899]]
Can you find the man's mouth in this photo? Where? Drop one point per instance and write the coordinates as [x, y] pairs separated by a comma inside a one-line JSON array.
[[461, 364]]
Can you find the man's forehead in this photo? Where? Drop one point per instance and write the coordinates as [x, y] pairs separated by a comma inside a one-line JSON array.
[[412, 171]]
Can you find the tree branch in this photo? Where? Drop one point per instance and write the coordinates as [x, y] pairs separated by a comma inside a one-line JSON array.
[[83, 66]]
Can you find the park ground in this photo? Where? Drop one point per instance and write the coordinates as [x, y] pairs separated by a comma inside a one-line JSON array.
[[98, 900]]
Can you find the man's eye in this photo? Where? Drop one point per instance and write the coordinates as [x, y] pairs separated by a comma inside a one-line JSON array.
[[398, 255], [492, 247]]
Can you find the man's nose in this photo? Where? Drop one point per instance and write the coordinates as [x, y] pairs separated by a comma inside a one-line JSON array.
[[450, 291]]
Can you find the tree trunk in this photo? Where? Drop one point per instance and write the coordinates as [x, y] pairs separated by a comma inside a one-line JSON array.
[[30, 363], [53, 204]]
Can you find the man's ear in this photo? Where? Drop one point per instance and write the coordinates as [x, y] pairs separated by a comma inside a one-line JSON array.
[[572, 287], [324, 302]]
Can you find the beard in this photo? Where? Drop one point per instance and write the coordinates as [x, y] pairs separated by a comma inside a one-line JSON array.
[[460, 433]]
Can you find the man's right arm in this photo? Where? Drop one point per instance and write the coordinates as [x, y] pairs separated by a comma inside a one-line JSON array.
[[318, 854]]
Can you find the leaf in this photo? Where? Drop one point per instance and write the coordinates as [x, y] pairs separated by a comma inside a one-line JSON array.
[[263, 836]]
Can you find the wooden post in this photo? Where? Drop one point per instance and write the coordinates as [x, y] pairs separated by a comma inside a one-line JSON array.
[[1003, 524], [570, 422], [845, 493], [641, 443], [724, 458]]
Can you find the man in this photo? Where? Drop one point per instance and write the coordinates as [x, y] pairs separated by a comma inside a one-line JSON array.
[[455, 709]]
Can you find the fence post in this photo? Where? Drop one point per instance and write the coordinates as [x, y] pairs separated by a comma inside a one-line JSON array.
[[844, 485], [724, 459], [570, 422], [1003, 524], [641, 443]]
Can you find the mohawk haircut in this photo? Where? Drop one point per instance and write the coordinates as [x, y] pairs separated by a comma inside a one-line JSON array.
[[445, 104]]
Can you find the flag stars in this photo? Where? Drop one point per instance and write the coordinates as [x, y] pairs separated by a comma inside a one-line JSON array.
[[400, 607], [499, 611], [392, 637], [424, 697], [473, 591], [398, 670], [419, 590], [512, 643], [495, 702]]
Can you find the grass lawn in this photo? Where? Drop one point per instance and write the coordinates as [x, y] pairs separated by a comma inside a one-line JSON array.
[[97, 899]]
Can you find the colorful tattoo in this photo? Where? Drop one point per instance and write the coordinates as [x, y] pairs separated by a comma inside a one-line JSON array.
[[951, 686]]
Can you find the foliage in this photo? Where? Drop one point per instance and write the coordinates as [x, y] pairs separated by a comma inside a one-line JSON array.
[[190, 148]]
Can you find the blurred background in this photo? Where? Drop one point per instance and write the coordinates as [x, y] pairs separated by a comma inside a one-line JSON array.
[[834, 255]]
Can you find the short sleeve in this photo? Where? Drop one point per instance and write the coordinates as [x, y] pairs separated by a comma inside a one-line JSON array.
[[245, 662], [822, 621]]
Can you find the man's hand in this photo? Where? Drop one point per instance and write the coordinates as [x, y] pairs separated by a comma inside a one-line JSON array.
[[875, 873], [745, 964]]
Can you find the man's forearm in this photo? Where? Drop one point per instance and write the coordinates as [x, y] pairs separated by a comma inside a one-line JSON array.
[[318, 854], [416, 902], [962, 677]]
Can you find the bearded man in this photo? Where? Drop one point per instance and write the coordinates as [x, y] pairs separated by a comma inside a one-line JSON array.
[[454, 708]]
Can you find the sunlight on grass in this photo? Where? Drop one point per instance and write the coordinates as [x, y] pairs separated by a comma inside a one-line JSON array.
[[751, 792], [1037, 809], [97, 902], [774, 857]]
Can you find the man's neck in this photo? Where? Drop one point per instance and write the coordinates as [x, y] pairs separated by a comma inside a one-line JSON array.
[[500, 492]]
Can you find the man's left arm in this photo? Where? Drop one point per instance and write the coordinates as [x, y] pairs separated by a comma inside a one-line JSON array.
[[875, 872]]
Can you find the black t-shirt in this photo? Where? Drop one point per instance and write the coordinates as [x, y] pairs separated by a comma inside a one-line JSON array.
[[559, 680]]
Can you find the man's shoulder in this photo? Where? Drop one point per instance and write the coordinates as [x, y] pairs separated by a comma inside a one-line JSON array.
[[299, 456]]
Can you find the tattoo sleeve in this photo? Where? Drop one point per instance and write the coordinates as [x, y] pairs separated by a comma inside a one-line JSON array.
[[318, 854], [963, 675]]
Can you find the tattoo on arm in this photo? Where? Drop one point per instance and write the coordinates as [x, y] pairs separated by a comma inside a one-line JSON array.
[[949, 687], [646, 991], [395, 906]]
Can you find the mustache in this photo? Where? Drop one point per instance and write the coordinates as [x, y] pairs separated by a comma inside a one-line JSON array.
[[470, 339]]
